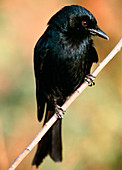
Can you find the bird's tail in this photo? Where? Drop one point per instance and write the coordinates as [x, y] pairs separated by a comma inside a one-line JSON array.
[[51, 143]]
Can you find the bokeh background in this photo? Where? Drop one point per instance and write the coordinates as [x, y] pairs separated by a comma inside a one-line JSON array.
[[92, 124]]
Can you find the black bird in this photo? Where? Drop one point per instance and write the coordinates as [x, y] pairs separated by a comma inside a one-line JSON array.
[[63, 56]]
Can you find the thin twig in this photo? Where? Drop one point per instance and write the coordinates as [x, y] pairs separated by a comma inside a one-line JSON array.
[[46, 127]]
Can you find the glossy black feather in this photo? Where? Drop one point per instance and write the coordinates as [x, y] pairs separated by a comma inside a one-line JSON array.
[[63, 56]]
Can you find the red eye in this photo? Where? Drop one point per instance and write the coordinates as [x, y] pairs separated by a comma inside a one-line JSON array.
[[84, 23]]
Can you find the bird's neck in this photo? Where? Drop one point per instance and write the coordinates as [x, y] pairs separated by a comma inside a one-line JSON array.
[[77, 40]]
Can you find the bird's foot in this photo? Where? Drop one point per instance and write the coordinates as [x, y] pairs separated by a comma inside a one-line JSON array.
[[90, 79], [59, 112]]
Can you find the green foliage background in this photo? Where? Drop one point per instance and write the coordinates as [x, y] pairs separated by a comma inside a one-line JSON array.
[[92, 124]]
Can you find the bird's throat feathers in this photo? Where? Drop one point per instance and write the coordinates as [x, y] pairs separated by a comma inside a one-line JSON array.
[[76, 43]]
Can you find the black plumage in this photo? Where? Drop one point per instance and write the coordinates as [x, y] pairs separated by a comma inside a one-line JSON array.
[[63, 56]]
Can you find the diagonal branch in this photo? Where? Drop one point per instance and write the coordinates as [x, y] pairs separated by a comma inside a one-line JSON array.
[[47, 126]]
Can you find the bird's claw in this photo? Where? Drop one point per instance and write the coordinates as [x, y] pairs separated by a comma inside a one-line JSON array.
[[59, 112], [90, 79]]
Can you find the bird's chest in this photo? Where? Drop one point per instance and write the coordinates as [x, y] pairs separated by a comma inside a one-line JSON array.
[[71, 57], [77, 60], [65, 71], [72, 67]]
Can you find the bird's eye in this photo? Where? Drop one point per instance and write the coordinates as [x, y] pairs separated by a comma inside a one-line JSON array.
[[84, 23]]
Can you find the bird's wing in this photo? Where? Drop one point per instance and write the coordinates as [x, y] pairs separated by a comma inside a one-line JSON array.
[[93, 54], [40, 52]]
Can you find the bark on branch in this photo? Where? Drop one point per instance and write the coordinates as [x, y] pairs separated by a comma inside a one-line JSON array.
[[46, 127]]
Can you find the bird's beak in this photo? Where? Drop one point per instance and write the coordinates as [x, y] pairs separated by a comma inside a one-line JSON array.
[[97, 31]]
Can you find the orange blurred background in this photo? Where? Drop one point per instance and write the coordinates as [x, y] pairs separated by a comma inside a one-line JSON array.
[[92, 124]]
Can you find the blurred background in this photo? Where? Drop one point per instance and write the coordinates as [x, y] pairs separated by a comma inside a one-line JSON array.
[[92, 124]]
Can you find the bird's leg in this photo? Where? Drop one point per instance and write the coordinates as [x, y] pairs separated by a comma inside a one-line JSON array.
[[59, 112], [90, 79]]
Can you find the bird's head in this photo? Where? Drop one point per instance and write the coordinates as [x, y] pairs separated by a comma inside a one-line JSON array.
[[78, 21]]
